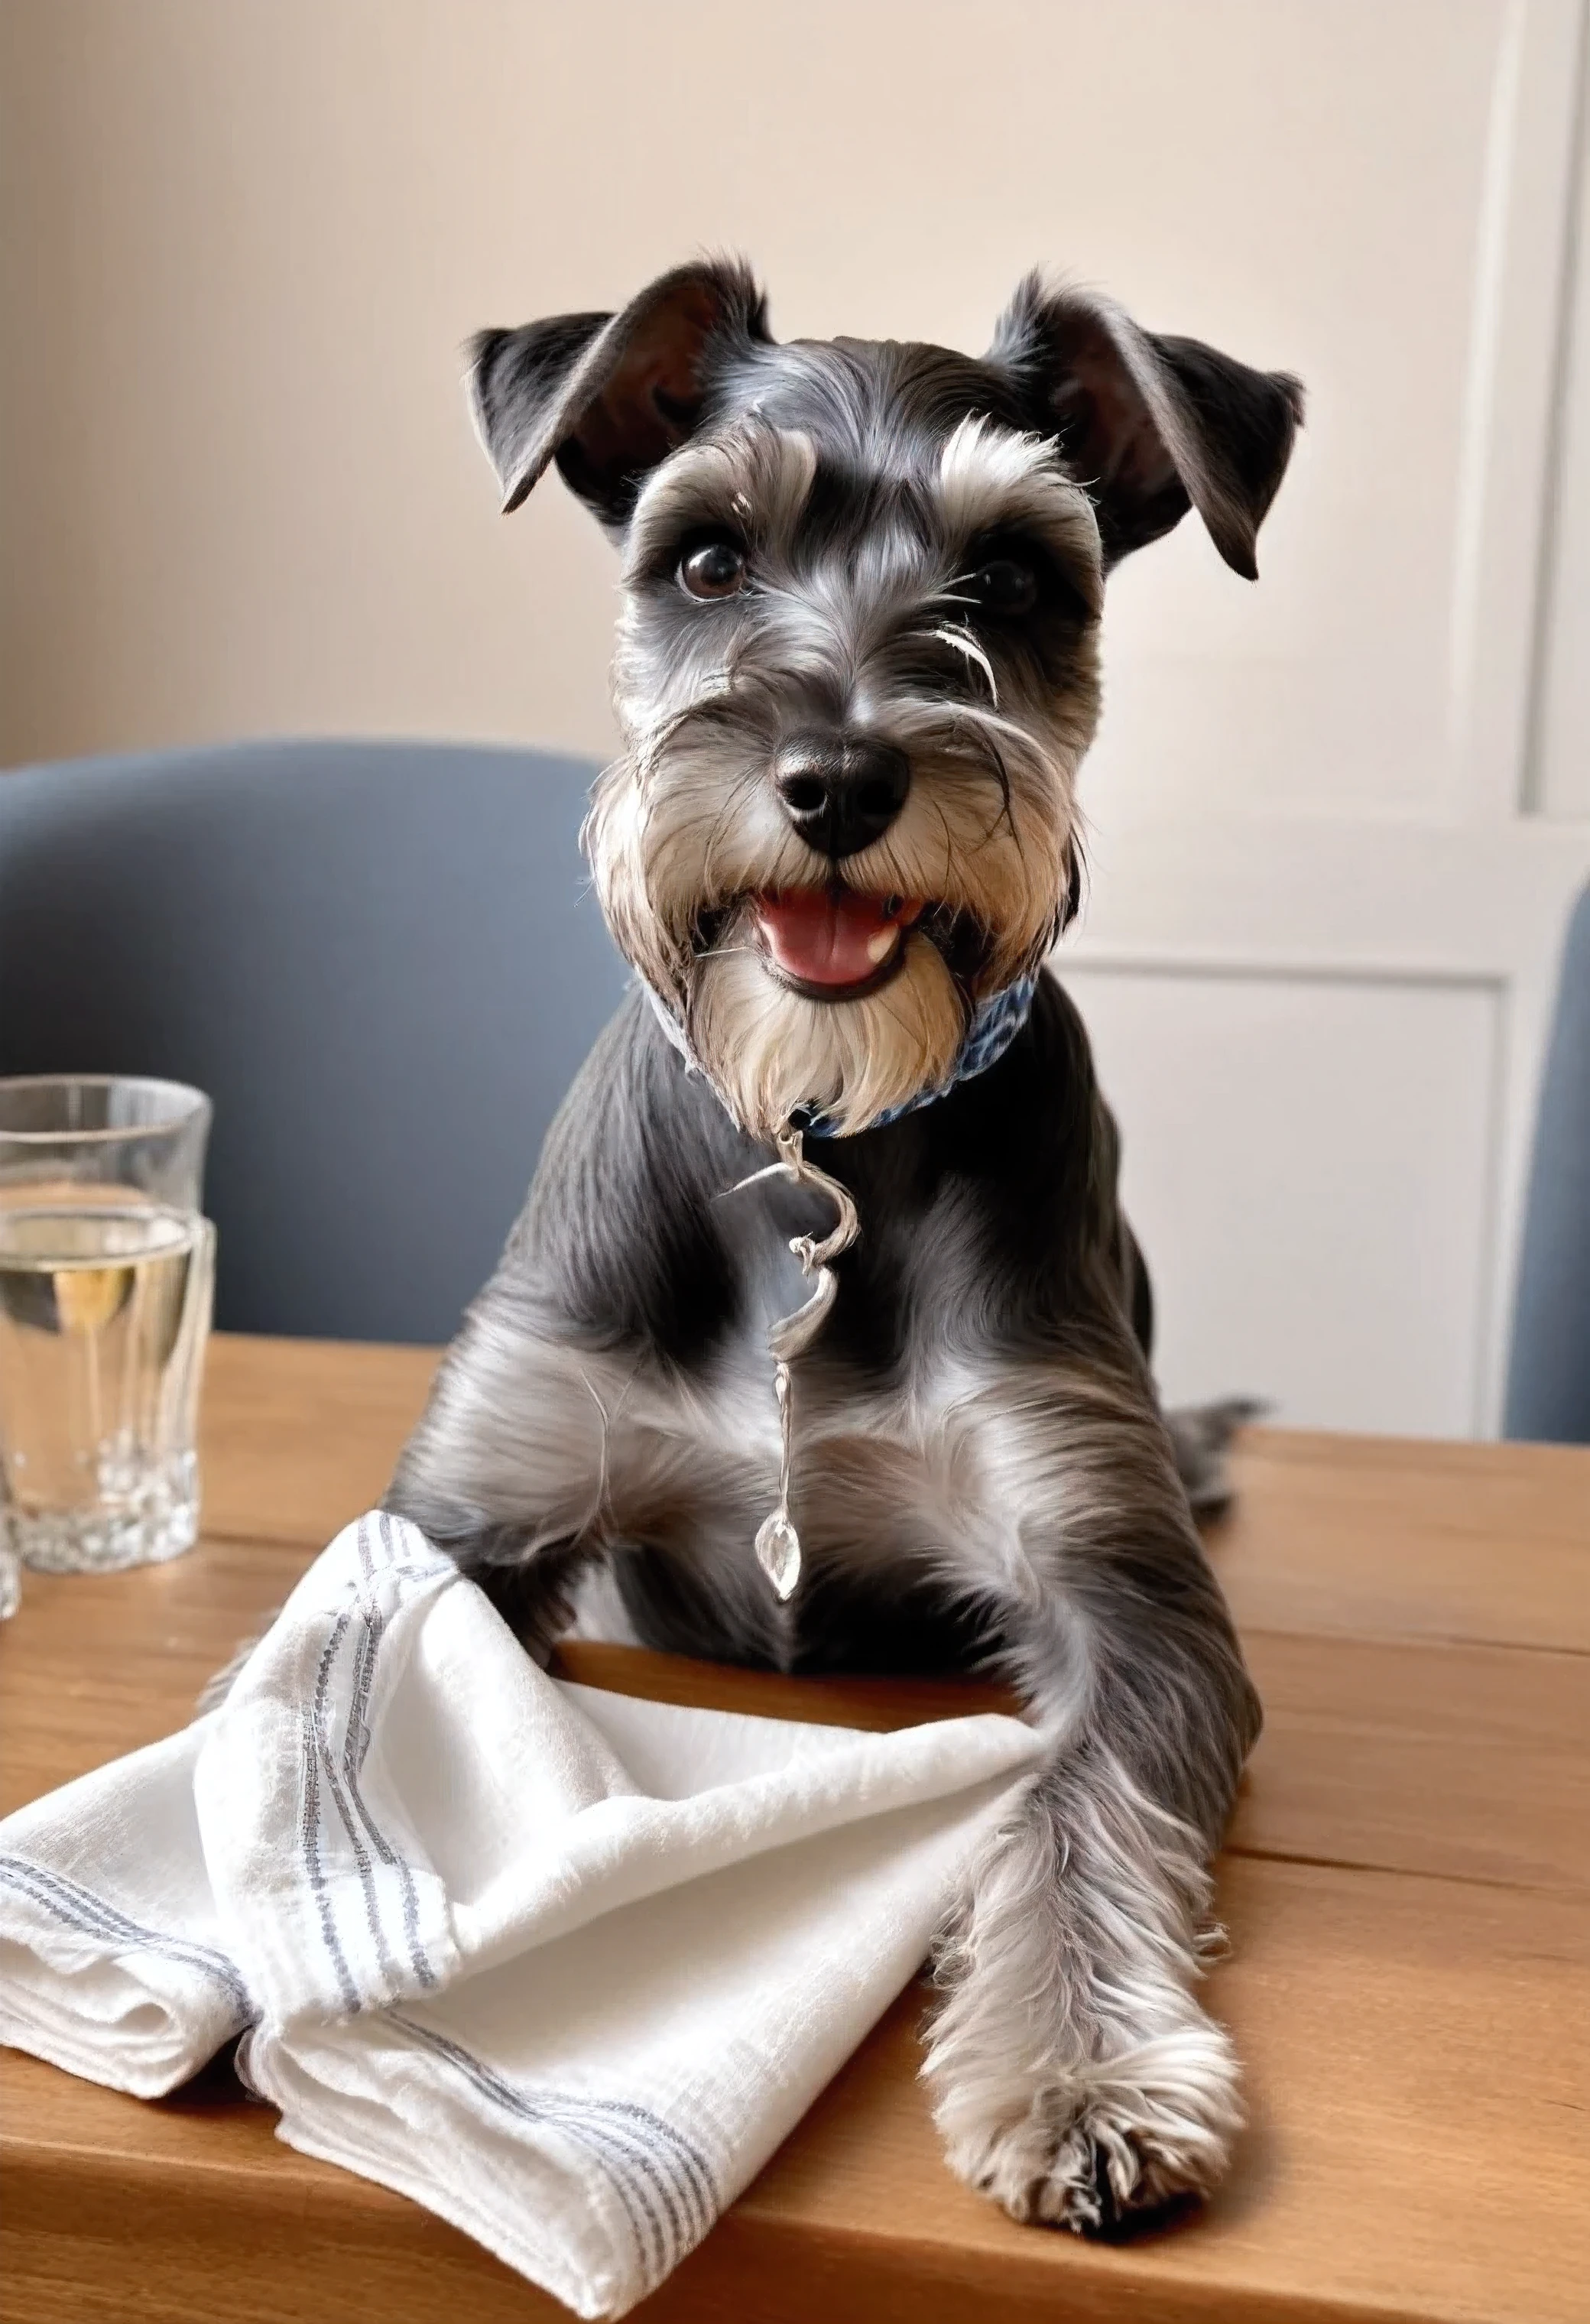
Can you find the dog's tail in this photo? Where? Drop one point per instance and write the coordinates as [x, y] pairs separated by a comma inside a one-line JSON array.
[[1201, 1434]]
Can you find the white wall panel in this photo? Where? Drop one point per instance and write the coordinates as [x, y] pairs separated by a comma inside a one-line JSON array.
[[1560, 777], [1306, 1167]]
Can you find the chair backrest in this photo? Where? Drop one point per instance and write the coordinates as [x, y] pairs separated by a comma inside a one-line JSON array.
[[1549, 1368], [381, 960]]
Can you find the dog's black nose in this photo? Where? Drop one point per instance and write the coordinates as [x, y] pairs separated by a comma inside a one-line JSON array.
[[840, 793]]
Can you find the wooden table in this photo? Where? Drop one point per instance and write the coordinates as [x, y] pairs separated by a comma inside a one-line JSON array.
[[1407, 1888]]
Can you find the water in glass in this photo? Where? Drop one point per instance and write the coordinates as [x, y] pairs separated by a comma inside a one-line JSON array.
[[103, 1311]]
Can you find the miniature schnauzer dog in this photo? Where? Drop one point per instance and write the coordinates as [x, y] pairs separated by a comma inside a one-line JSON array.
[[857, 670]]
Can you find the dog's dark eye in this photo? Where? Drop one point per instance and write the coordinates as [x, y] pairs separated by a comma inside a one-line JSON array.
[[1006, 586], [716, 569]]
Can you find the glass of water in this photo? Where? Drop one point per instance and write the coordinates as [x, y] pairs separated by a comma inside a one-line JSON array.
[[106, 1282]]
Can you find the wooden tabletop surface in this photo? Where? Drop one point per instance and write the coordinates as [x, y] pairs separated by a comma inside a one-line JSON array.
[[1407, 1890]]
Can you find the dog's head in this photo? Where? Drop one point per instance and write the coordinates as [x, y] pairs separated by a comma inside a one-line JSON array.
[[857, 665]]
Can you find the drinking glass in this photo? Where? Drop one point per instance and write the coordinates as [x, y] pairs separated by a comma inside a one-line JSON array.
[[107, 1283], [102, 1138]]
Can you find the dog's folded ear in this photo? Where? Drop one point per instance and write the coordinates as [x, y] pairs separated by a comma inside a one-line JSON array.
[[609, 396], [1150, 426]]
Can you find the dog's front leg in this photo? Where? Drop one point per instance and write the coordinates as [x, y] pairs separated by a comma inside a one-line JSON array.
[[1075, 2076], [511, 1468]]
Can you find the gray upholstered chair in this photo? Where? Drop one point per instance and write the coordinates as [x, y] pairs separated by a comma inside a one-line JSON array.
[[1548, 1368], [381, 960]]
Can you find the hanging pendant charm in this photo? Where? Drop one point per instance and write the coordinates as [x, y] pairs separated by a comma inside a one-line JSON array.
[[778, 1544]]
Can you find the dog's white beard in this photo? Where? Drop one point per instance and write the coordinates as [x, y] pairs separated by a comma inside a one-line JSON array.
[[769, 1050]]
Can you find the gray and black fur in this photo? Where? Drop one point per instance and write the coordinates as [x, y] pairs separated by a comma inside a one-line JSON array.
[[983, 1475]]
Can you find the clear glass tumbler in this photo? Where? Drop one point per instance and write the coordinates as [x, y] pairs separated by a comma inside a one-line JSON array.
[[102, 1138], [107, 1283]]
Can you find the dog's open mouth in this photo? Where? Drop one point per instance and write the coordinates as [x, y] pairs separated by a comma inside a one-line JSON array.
[[834, 943]]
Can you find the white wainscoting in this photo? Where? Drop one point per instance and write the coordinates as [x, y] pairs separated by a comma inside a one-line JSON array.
[[1306, 1168], [1559, 769]]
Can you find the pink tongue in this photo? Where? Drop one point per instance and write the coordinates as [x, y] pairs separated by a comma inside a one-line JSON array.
[[821, 936]]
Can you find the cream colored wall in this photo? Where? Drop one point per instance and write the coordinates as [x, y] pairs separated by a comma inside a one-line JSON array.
[[250, 236]]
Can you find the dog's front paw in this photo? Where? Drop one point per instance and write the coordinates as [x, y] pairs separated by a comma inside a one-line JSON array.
[[1109, 2147]]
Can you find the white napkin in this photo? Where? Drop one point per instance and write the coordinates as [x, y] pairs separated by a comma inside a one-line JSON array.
[[563, 1966]]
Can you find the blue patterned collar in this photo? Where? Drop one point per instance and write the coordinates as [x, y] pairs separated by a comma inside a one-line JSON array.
[[995, 1024]]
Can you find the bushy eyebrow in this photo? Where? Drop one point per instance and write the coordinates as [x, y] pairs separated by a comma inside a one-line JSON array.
[[993, 480], [754, 477]]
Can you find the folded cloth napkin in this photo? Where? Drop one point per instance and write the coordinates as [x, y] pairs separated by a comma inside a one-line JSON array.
[[563, 1966]]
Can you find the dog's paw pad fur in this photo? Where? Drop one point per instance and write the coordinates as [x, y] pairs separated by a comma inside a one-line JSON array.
[[1112, 2147], [1101, 2175]]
